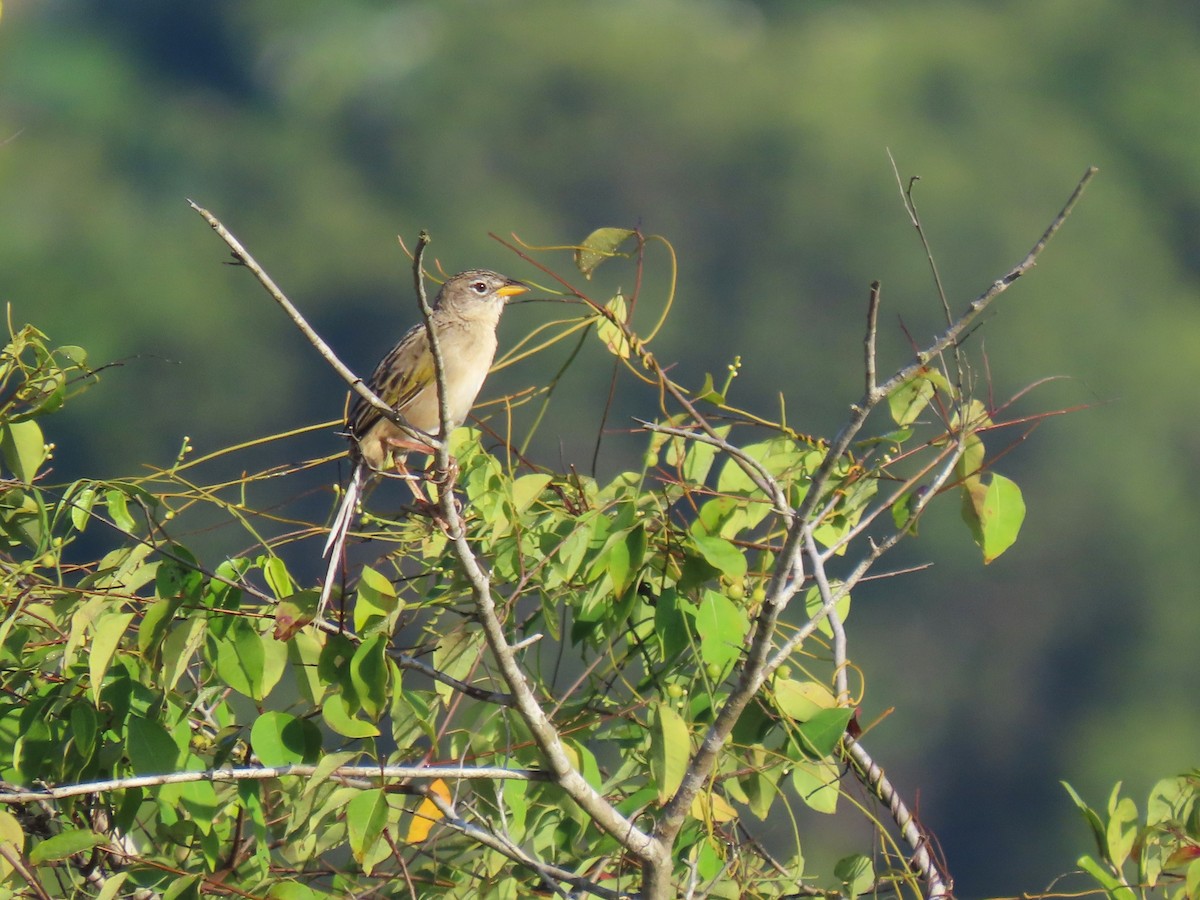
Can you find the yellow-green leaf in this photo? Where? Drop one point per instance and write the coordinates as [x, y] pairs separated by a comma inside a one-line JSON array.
[[801, 700], [24, 448], [339, 719], [65, 844], [105, 640], [375, 599], [366, 817], [994, 514], [908, 401], [611, 330], [599, 246], [670, 746]]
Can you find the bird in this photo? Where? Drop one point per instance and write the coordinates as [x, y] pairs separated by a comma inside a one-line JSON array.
[[464, 317]]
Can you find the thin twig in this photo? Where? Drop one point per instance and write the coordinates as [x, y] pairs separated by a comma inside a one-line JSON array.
[[872, 331], [356, 384], [371, 774]]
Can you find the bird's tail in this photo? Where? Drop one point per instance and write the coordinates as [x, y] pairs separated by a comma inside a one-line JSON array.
[[335, 545]]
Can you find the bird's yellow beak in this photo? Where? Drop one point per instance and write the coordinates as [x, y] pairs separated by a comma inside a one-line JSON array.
[[511, 290]]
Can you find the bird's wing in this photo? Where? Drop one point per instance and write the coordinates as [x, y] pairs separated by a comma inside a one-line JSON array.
[[403, 374]]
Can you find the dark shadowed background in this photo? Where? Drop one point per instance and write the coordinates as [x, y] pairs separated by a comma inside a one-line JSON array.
[[754, 136]]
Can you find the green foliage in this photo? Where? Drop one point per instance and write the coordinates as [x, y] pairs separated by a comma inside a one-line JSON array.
[[1154, 855], [636, 602]]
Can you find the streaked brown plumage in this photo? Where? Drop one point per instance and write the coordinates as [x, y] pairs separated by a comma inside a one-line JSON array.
[[465, 315]]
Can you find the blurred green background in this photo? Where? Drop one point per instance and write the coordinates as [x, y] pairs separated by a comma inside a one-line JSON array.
[[754, 136]]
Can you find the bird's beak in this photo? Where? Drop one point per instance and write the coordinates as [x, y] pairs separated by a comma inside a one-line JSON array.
[[511, 290]]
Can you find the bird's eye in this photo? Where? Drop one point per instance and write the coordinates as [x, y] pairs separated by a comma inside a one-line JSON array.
[[479, 287]]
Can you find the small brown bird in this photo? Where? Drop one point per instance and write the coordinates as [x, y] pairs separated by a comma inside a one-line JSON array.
[[465, 315]]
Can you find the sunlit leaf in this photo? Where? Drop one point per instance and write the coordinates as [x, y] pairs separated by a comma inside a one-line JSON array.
[[816, 783], [107, 637], [375, 598], [65, 844], [670, 746], [857, 874], [366, 817], [281, 739], [598, 246], [801, 700], [712, 809], [278, 580], [23, 449], [370, 675], [721, 625], [909, 399], [995, 515], [722, 555], [340, 720], [610, 330], [118, 510], [822, 733]]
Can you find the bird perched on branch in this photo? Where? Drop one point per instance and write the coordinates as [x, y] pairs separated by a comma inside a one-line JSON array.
[[465, 315]]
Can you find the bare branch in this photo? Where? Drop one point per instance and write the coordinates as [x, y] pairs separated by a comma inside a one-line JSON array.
[[368, 774], [872, 331], [356, 384]]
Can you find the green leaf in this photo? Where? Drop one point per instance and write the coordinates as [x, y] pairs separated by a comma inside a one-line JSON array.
[[370, 676], [670, 623], [180, 646], [626, 550], [526, 489], [708, 391], [1122, 829], [240, 659], [721, 625], [366, 817], [65, 844], [801, 700], [670, 746], [375, 598], [150, 749], [908, 401], [1090, 816], [599, 246], [857, 874], [107, 637], [341, 721], [610, 330], [118, 509], [821, 734], [292, 890], [281, 739], [112, 886], [722, 555], [1117, 889], [23, 449], [325, 768], [278, 580], [81, 507], [186, 887], [994, 515], [816, 783]]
